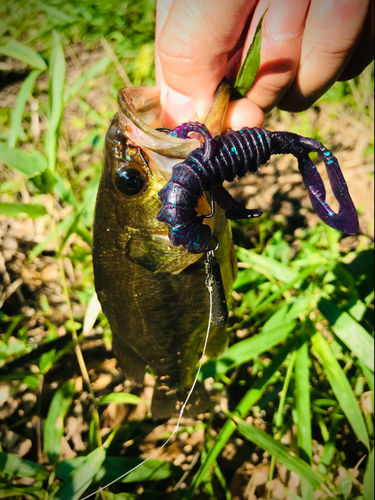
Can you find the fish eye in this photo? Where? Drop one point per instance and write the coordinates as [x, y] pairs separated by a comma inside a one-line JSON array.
[[129, 181]]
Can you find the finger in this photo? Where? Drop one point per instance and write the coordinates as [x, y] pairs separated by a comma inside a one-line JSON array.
[[243, 113], [194, 43], [331, 34], [162, 9], [281, 45], [364, 52]]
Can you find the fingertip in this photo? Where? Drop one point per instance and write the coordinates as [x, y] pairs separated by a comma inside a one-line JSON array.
[[243, 113]]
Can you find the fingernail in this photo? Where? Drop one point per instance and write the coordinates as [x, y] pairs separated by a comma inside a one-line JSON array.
[[176, 108], [285, 18]]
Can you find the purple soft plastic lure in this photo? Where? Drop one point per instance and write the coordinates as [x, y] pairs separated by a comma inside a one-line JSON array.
[[234, 154]]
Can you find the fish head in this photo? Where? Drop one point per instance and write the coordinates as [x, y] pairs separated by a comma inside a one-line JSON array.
[[133, 174]]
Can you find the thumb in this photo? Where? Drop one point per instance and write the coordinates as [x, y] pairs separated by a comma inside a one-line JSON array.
[[193, 46]]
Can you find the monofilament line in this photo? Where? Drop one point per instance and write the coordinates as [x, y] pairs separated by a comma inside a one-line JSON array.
[[180, 415]]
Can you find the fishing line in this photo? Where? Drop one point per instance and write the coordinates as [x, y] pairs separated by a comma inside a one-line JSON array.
[[181, 411]]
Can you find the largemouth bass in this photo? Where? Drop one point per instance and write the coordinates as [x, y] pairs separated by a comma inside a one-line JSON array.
[[154, 294]]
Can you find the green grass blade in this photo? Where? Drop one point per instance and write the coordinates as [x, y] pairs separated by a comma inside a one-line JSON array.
[[281, 453], [54, 426], [251, 397], [121, 398], [222, 481], [368, 482], [276, 269], [69, 232], [81, 477], [61, 228], [354, 336], [20, 467], [114, 467], [300, 277], [17, 113], [303, 409], [25, 54], [341, 387], [19, 491], [22, 210], [92, 72], [249, 69], [27, 163], [247, 349], [93, 115], [302, 399], [330, 445], [369, 376], [56, 101]]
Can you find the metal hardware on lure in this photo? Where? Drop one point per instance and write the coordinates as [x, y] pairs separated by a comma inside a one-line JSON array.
[[214, 283], [234, 154]]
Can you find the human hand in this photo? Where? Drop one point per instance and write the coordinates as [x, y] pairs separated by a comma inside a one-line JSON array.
[[307, 46]]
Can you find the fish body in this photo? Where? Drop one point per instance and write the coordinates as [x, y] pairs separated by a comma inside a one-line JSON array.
[[153, 294]]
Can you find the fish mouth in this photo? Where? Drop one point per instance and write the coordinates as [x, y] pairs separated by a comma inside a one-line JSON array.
[[139, 120]]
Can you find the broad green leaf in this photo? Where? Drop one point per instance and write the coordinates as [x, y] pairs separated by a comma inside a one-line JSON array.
[[22, 210], [368, 482], [271, 266], [341, 387], [81, 477], [251, 397], [54, 426], [249, 69], [247, 349], [20, 467], [17, 113], [281, 453], [25, 54], [27, 163], [354, 336], [92, 72], [121, 398], [56, 101]]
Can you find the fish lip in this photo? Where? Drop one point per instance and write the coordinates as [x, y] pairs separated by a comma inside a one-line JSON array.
[[139, 104]]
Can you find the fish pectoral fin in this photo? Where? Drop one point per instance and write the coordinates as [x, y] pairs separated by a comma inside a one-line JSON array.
[[132, 366], [167, 402]]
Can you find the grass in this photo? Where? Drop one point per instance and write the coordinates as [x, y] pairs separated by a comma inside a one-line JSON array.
[[298, 387]]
